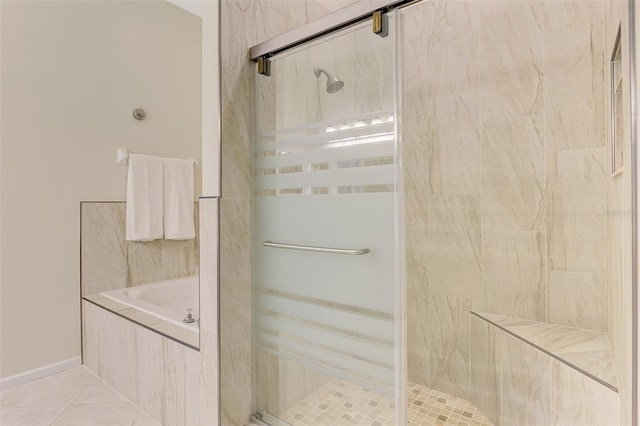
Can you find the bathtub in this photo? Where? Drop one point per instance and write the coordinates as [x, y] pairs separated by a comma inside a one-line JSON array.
[[167, 300]]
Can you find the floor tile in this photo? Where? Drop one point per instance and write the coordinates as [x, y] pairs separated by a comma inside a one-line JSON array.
[[339, 402], [74, 397], [115, 413], [100, 392], [31, 416], [58, 389]]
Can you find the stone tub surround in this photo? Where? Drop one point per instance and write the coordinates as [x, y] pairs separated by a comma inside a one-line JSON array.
[[172, 383], [109, 262], [516, 381], [165, 328]]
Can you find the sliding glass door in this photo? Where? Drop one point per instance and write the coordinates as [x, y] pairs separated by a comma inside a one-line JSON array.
[[328, 258]]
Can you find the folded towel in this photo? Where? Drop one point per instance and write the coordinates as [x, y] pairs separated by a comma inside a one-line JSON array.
[[178, 199], [144, 198]]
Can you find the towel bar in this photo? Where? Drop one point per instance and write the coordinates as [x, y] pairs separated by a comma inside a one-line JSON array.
[[123, 157], [350, 252]]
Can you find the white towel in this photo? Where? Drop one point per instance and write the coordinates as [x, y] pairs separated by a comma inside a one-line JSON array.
[[178, 199], [144, 198]]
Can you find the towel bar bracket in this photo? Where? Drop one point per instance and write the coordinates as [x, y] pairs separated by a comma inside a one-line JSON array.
[[122, 157]]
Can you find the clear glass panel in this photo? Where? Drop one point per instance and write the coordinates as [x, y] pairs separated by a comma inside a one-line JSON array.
[[328, 325]]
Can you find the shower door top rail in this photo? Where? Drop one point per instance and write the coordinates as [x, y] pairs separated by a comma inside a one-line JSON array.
[[334, 21], [331, 250]]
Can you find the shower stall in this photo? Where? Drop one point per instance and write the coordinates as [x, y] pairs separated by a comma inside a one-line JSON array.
[[328, 238], [436, 234]]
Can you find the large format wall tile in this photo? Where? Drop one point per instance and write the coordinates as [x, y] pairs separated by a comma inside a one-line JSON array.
[[418, 353], [417, 109], [577, 52], [103, 249], [417, 275], [236, 33], [577, 299], [191, 382], [179, 257], [236, 375], [510, 96], [515, 383], [454, 246], [576, 211], [449, 343], [145, 262], [571, 14], [416, 180], [236, 125], [511, 68], [578, 400], [522, 49], [110, 347], [235, 263], [526, 382], [109, 261], [174, 384], [514, 274], [209, 264], [513, 188], [454, 144], [615, 293], [484, 367], [452, 50]]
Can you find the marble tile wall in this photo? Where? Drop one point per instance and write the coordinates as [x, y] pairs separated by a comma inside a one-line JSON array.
[[244, 23], [515, 383], [505, 183], [619, 232], [108, 261], [575, 159], [172, 383], [497, 160]]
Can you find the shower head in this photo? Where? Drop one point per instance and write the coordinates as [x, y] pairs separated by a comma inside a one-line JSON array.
[[334, 84]]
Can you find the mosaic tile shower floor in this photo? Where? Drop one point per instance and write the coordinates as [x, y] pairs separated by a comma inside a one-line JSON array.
[[342, 403]]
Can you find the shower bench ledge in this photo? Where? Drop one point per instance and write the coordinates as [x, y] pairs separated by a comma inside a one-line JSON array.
[[586, 351]]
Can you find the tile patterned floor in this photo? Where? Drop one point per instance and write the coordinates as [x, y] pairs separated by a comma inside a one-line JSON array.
[[75, 397], [342, 403]]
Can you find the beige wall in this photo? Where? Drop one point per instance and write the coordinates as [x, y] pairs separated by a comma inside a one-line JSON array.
[[72, 72]]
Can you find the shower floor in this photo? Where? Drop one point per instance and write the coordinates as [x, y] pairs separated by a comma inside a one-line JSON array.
[[339, 402]]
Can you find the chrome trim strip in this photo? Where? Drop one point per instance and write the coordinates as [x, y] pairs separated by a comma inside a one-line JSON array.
[[547, 352], [331, 250], [634, 212], [341, 18]]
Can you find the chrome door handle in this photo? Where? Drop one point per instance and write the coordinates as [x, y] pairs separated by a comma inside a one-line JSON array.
[[350, 252]]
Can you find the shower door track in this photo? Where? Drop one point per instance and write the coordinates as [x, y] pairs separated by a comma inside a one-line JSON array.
[[330, 23]]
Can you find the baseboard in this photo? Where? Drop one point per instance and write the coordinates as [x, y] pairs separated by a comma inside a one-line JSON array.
[[38, 373]]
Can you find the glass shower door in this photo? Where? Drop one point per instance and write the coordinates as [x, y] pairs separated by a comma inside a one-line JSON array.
[[327, 272]]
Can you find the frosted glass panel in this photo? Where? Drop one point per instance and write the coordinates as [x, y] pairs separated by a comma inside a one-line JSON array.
[[325, 175]]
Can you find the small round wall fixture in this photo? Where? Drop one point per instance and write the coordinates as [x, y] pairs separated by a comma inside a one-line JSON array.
[[139, 114]]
